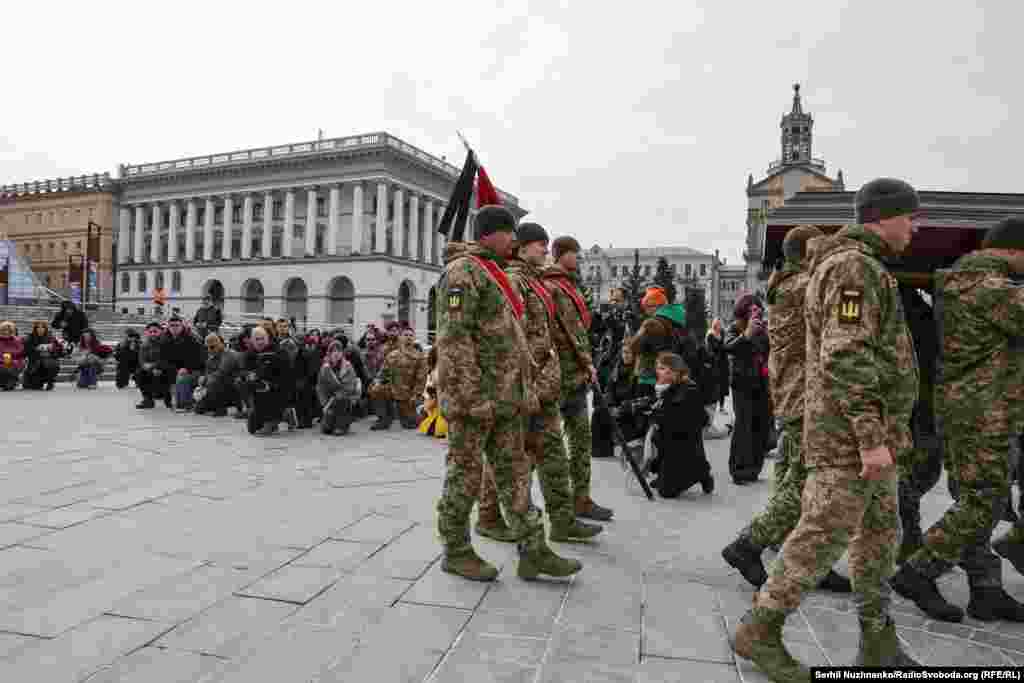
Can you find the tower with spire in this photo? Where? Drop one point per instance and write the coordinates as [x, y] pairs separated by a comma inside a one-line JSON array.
[[796, 170]]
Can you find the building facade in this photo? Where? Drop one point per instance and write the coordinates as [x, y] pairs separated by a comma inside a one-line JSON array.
[[732, 283], [796, 170], [338, 232], [49, 223]]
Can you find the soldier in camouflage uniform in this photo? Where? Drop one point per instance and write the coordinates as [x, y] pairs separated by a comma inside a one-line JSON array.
[[860, 389], [786, 363], [982, 311], [484, 374], [400, 381], [544, 443], [570, 333]]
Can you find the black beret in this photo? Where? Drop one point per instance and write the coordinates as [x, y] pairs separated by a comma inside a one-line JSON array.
[[884, 198], [531, 232], [1006, 234], [493, 218]]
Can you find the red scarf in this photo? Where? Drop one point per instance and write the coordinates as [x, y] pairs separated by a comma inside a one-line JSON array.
[[544, 295], [572, 293], [499, 278]]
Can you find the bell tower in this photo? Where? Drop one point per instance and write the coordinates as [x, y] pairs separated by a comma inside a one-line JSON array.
[[796, 133]]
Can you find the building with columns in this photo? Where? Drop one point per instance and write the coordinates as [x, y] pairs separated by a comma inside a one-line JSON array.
[[732, 284], [48, 221], [796, 170], [338, 232]]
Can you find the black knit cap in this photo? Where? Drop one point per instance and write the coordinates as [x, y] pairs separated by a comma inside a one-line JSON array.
[[1006, 234], [794, 246], [492, 218], [564, 244], [531, 232], [884, 198]]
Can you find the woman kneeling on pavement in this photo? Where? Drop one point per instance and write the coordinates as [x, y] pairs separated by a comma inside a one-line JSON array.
[[42, 350], [12, 355], [338, 389], [90, 354], [681, 418]]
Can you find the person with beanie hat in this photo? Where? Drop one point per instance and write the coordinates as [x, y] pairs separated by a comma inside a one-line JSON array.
[[860, 389], [983, 315], [484, 389], [786, 365], [571, 333], [544, 442]]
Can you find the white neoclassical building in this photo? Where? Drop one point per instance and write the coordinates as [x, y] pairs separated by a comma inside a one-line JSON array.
[[338, 232]]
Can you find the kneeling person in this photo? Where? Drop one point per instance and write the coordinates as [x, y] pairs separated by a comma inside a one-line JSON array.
[[338, 389], [681, 419]]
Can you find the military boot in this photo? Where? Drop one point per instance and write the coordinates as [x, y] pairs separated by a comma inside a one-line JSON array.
[[923, 592], [745, 555], [496, 530], [989, 603], [585, 507], [382, 409], [543, 560], [881, 647], [835, 582], [574, 530], [1013, 552], [759, 639], [469, 565]]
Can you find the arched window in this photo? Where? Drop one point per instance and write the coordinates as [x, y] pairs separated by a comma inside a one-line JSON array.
[[142, 282], [176, 281], [126, 283]]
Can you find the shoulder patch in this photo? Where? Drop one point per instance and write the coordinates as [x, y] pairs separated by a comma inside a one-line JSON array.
[[455, 298], [850, 306]]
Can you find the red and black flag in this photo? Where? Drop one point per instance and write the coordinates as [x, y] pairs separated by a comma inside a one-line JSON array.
[[453, 222]]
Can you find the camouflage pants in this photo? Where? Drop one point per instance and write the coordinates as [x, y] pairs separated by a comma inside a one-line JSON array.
[[920, 470], [980, 468], [576, 424], [502, 442], [771, 527], [546, 451], [840, 510]]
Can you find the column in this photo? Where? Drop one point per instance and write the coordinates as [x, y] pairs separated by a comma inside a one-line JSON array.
[[124, 235], [190, 230], [357, 217], [208, 230], [398, 223], [172, 233], [154, 234], [268, 225], [414, 227], [247, 227], [227, 227], [288, 234], [140, 242], [428, 230], [381, 228], [311, 221], [442, 240], [333, 206]]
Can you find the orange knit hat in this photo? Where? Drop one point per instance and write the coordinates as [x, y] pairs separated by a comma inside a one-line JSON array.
[[655, 296]]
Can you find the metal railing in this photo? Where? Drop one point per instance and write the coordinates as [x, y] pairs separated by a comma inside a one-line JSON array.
[[96, 181]]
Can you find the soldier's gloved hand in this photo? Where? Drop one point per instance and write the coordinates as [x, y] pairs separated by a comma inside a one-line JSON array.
[[875, 462], [482, 411]]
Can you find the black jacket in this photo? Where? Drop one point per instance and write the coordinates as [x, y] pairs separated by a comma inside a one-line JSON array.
[[718, 361], [681, 419], [72, 320], [207, 316], [184, 351], [749, 360]]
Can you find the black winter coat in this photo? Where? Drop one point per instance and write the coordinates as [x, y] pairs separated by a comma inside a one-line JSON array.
[[681, 420], [749, 361], [72, 320], [184, 351]]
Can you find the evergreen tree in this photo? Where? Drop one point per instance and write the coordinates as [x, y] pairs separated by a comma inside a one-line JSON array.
[[665, 278], [634, 284], [695, 303]]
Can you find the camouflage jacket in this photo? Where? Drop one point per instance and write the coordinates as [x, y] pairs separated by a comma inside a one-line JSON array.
[[787, 338], [983, 313], [538, 325], [575, 363], [862, 376], [483, 361], [404, 373]]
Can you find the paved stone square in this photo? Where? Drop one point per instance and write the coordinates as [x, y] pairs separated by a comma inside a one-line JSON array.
[[151, 547]]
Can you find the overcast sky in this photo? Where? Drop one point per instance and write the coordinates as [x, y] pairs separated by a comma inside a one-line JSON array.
[[623, 123]]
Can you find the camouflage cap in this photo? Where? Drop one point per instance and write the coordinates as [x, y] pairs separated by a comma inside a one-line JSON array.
[[794, 246]]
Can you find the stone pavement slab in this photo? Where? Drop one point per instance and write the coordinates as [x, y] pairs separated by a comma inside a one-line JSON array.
[[130, 538]]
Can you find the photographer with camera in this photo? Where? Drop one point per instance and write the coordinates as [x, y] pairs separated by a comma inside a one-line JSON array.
[[747, 344]]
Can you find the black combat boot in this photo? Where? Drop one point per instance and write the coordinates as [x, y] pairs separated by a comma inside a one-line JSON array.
[[989, 603], [881, 647], [745, 555], [382, 409], [923, 592], [835, 582], [146, 402]]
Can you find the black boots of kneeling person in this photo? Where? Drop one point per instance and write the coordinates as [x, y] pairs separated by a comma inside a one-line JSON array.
[[337, 417], [386, 411]]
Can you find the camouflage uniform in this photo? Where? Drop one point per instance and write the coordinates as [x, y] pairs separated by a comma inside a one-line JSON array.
[[786, 365], [983, 310], [575, 368], [483, 369], [861, 386], [545, 445], [401, 379]]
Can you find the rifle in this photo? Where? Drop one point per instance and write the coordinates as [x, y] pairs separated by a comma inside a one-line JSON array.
[[602, 404]]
